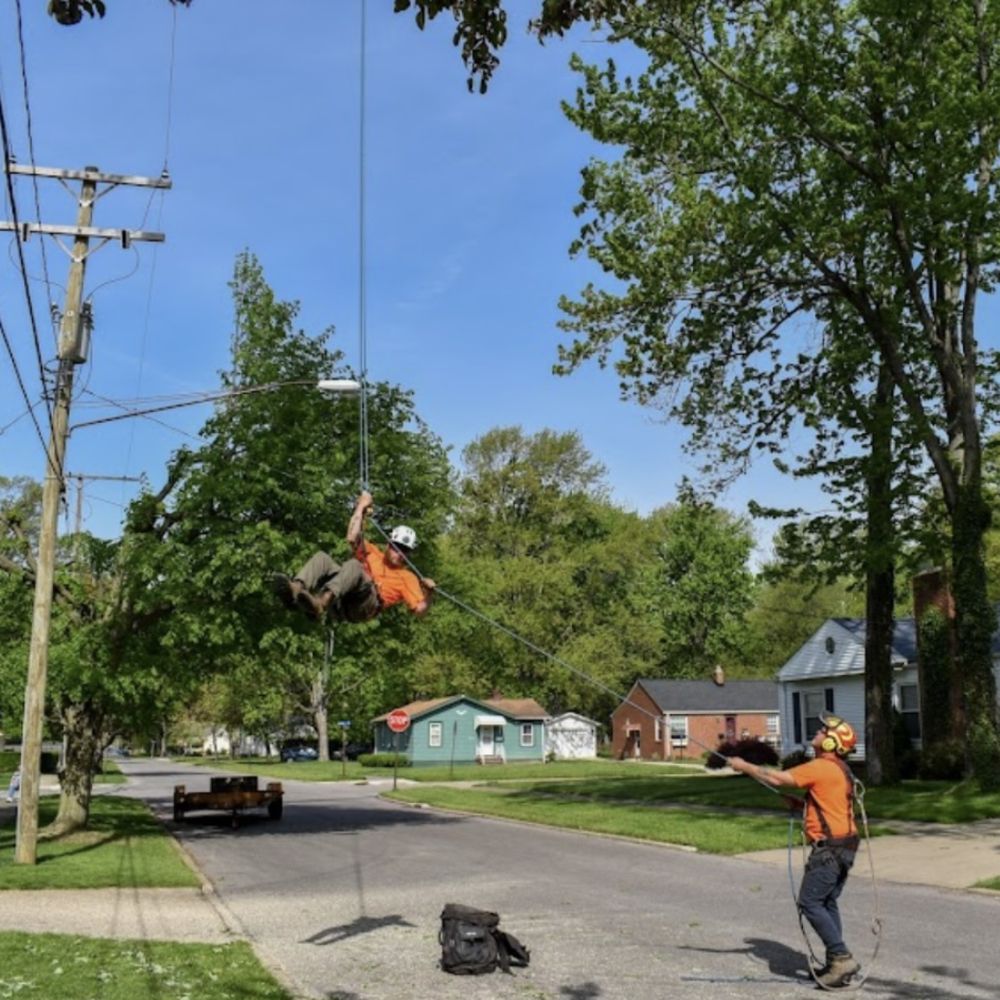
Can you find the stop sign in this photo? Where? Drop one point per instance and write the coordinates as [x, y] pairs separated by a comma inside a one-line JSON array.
[[398, 721]]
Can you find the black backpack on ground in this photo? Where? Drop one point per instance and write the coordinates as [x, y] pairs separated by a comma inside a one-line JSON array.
[[472, 942]]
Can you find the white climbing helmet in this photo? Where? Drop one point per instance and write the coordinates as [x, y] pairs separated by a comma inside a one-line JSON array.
[[403, 536]]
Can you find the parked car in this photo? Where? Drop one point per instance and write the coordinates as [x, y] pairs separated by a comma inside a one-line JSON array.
[[298, 753], [352, 751]]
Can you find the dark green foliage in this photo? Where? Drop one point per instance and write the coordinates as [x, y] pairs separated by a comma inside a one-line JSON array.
[[794, 758], [906, 756], [754, 751], [384, 760], [936, 676], [941, 761]]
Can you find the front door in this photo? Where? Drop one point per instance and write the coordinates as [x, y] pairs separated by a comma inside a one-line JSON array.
[[731, 728], [485, 747]]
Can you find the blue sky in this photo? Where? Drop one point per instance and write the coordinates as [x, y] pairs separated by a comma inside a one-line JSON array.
[[469, 216]]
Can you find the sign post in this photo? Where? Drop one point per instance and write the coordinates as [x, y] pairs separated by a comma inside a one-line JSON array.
[[398, 721], [344, 724]]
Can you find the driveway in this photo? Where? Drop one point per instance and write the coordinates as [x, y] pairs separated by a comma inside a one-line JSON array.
[[342, 898]]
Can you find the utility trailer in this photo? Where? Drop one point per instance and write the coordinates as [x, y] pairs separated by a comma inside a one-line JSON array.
[[232, 795]]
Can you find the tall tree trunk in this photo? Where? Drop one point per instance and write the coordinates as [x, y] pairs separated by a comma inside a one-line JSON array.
[[975, 621], [82, 725], [880, 753], [320, 713]]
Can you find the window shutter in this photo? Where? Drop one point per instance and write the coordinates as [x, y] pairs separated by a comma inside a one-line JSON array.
[[797, 716], [828, 694]]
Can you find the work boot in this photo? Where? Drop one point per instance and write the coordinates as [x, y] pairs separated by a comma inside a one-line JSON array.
[[840, 970], [286, 590], [329, 602], [309, 604]]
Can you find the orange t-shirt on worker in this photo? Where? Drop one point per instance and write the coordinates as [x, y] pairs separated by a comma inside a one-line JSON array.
[[828, 786], [394, 584]]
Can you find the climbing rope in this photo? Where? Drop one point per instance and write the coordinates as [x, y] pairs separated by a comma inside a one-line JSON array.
[[363, 471], [815, 964]]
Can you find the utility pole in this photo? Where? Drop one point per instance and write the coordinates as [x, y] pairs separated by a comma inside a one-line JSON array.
[[73, 345], [80, 477]]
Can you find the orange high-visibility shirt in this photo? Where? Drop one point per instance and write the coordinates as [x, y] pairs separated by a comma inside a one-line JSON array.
[[394, 584], [827, 784]]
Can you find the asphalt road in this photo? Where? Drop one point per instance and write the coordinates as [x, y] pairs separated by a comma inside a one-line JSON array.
[[342, 898]]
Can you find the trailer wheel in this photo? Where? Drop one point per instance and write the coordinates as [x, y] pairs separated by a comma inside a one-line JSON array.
[[275, 808]]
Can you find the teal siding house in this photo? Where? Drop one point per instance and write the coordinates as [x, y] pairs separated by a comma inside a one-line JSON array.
[[464, 730]]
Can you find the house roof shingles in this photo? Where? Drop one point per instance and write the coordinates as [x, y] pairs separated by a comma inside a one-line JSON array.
[[707, 696], [514, 708]]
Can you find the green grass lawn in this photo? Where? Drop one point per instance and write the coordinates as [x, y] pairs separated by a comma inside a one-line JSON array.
[[921, 801], [713, 832], [123, 847], [275, 770], [66, 967], [718, 814], [989, 883], [335, 770]]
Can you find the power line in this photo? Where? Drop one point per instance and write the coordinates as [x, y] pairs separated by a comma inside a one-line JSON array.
[[132, 413], [20, 382], [31, 151], [8, 159]]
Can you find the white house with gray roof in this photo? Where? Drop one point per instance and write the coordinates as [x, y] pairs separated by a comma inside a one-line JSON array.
[[827, 673]]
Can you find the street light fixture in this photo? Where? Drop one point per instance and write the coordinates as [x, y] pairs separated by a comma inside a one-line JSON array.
[[339, 386]]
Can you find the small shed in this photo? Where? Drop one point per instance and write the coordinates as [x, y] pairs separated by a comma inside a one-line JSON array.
[[463, 730], [571, 736]]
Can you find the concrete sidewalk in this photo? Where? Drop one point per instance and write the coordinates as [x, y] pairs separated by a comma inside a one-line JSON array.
[[146, 914], [951, 857]]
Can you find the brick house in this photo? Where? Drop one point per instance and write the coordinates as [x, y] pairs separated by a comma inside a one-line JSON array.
[[678, 719]]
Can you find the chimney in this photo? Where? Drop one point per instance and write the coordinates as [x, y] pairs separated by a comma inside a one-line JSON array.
[[719, 675], [931, 590]]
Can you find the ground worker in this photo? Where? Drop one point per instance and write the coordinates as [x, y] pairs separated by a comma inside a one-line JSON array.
[[830, 828], [362, 587]]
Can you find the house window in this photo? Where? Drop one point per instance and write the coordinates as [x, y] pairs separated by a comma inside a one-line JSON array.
[[772, 730], [679, 730], [814, 703], [909, 707], [527, 734], [434, 734]]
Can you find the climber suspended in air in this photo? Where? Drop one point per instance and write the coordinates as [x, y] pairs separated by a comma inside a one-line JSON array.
[[363, 586]]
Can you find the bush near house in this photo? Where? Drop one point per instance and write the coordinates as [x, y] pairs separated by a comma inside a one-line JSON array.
[[754, 751], [384, 760]]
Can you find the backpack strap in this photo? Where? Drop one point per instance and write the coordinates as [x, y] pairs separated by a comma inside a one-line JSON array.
[[510, 951]]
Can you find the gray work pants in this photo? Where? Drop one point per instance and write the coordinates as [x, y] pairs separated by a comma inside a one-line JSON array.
[[356, 597]]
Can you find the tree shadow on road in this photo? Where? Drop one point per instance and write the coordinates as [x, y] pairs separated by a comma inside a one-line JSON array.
[[331, 935]]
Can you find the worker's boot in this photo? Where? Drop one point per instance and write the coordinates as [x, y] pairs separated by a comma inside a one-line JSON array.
[[839, 971], [308, 603], [286, 590], [329, 605]]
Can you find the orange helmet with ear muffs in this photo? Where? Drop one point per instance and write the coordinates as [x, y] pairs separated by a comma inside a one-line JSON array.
[[840, 737]]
